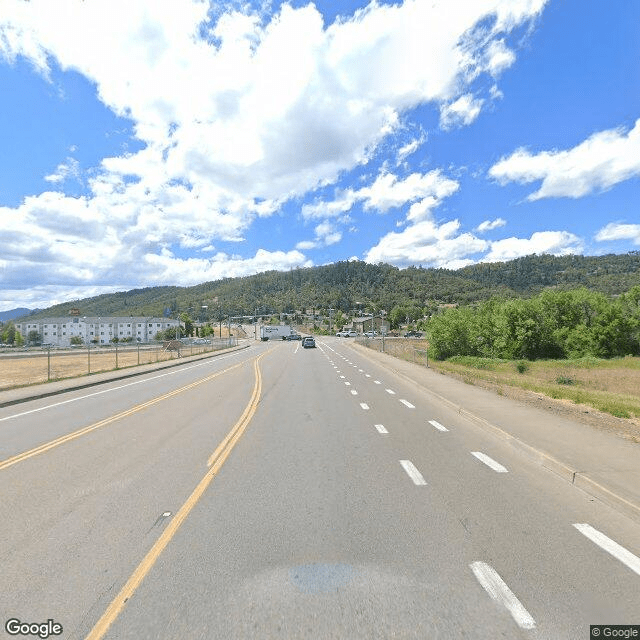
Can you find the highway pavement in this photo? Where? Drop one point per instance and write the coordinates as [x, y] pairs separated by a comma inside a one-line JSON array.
[[282, 492]]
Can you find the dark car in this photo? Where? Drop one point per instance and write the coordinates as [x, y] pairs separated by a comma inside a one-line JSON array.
[[294, 336], [413, 334], [308, 342]]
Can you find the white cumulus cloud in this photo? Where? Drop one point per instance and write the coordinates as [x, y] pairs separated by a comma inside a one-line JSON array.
[[619, 231], [557, 243], [488, 225], [237, 114], [598, 163]]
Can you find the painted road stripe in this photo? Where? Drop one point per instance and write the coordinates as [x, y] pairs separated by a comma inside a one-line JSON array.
[[354, 392], [412, 472], [348, 383], [391, 391], [495, 586], [366, 375], [490, 462], [361, 370], [122, 386], [616, 550], [380, 428], [438, 426], [377, 382], [342, 377], [406, 403], [97, 425], [215, 462], [365, 406]]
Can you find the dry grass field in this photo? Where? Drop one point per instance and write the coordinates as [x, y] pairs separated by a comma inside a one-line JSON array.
[[36, 368], [604, 393]]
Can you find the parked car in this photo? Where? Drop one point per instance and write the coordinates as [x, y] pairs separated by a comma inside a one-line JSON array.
[[413, 334], [371, 334], [341, 334], [308, 342], [350, 334]]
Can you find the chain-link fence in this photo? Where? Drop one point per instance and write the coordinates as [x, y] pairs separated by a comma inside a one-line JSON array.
[[37, 365], [411, 349]]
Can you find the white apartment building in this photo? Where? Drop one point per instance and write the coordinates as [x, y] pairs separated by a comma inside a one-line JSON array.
[[95, 330]]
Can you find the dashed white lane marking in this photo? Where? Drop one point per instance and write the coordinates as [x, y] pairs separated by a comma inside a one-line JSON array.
[[367, 375], [365, 406], [412, 472], [361, 370], [354, 392], [490, 462], [380, 428], [377, 382], [406, 403], [391, 392], [616, 550], [438, 426], [495, 586], [347, 383], [342, 377]]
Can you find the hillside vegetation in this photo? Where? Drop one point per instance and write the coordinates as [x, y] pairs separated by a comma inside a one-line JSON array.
[[347, 286]]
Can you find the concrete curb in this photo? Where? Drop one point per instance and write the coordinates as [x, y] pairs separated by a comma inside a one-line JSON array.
[[110, 376], [542, 458]]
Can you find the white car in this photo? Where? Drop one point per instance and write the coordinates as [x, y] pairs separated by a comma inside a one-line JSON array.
[[350, 334], [371, 334]]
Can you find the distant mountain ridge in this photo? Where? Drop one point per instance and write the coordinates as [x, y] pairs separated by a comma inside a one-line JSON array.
[[12, 314], [353, 285]]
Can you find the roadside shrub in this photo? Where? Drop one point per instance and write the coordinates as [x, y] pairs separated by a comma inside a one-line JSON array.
[[521, 366], [565, 380]]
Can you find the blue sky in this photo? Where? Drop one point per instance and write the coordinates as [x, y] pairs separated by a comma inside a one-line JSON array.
[[175, 143]]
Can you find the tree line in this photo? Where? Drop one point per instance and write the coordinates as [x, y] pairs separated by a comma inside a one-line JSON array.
[[355, 286], [553, 324]]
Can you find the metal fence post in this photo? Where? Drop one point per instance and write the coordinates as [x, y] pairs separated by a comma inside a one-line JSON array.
[[88, 358], [116, 356], [138, 353], [48, 364]]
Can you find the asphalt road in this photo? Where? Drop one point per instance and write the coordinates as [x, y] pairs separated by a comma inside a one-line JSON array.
[[282, 492]]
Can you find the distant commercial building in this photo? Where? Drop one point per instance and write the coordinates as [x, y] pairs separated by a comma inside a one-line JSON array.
[[94, 330], [363, 324]]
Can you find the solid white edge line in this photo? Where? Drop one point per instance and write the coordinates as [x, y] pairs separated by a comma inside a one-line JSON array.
[[122, 386], [437, 425], [413, 473], [364, 405], [490, 462], [380, 428], [617, 551], [391, 392], [406, 403], [495, 586]]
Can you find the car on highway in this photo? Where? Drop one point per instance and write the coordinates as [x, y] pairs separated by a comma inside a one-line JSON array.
[[308, 342], [294, 336]]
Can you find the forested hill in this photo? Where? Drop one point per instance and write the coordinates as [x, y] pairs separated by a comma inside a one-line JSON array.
[[349, 285]]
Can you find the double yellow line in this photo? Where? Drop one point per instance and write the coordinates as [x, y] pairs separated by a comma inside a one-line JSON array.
[[118, 416], [214, 463]]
